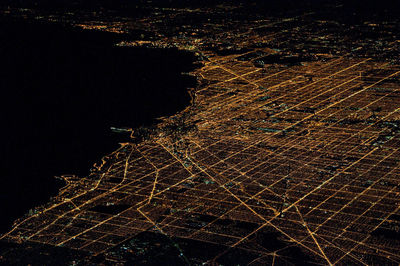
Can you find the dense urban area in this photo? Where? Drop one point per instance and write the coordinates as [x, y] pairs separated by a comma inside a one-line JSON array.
[[287, 154]]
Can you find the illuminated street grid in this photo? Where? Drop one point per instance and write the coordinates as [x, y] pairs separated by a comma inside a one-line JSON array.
[[309, 151], [316, 160]]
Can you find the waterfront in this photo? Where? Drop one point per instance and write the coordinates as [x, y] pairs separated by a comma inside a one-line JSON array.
[[63, 90]]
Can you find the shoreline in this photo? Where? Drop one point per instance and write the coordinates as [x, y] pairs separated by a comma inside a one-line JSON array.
[[110, 137]]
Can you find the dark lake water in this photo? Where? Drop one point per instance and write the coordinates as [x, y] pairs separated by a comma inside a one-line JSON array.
[[62, 89]]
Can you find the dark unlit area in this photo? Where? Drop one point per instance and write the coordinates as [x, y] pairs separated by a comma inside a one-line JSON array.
[[63, 88]]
